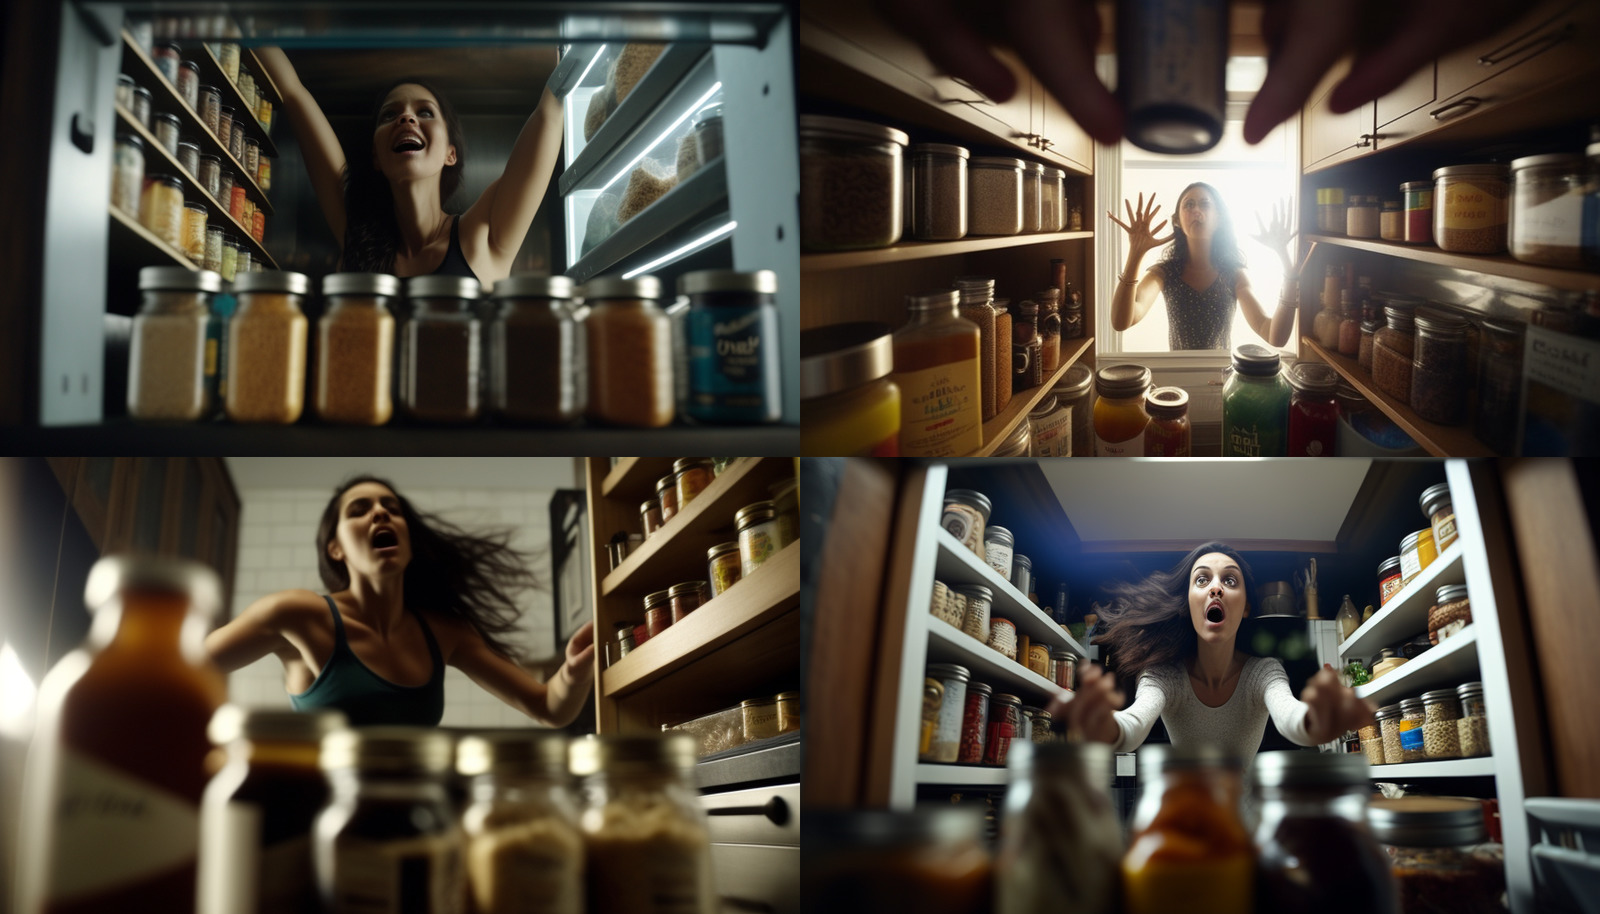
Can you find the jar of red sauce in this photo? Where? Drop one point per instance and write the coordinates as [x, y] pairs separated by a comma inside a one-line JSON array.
[[1389, 579], [975, 724], [1313, 411], [685, 598], [1167, 435], [657, 612], [1005, 724]]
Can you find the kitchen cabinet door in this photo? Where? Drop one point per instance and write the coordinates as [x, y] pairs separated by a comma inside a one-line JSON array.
[[1555, 41], [1060, 137], [1329, 138]]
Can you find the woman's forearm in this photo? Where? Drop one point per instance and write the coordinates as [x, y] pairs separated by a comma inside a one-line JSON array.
[[565, 695], [1282, 324], [1122, 301]]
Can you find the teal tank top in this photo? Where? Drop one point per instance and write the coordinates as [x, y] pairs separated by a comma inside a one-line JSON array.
[[345, 684]]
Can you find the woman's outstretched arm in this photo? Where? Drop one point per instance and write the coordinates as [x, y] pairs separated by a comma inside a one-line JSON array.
[[1134, 296], [319, 145], [503, 212], [555, 702]]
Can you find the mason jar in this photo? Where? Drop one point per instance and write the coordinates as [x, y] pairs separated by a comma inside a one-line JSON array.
[[538, 359], [851, 183], [938, 198], [355, 349], [439, 352], [630, 353], [267, 347], [524, 847], [170, 377]]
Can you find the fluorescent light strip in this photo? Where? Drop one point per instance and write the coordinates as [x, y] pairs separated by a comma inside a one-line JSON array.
[[689, 248], [592, 61], [687, 113]]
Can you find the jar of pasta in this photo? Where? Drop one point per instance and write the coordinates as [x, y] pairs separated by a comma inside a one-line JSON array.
[[520, 823], [630, 353], [1119, 415], [267, 348], [440, 350], [725, 567], [966, 513], [168, 352], [1470, 209]]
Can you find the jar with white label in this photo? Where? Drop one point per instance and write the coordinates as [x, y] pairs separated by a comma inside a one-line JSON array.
[[523, 844], [646, 834], [258, 811], [389, 834], [1547, 195], [127, 174], [1050, 428], [945, 738], [998, 547], [965, 514], [1003, 637], [758, 535]]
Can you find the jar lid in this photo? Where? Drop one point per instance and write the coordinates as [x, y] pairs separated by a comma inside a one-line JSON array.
[[1154, 759], [1056, 173], [1427, 821], [646, 287], [195, 206], [842, 356], [1167, 402], [1043, 408], [659, 598], [1293, 768], [721, 549], [1414, 186], [686, 463], [164, 116], [1399, 317], [194, 146], [648, 506], [1075, 383], [1410, 705], [1438, 695], [1317, 378], [625, 631], [1506, 330], [141, 90], [1410, 541], [179, 279], [1090, 761], [1033, 168], [204, 88], [942, 299], [753, 514], [1387, 712], [1392, 205], [1255, 360], [981, 688], [1450, 593], [788, 696], [1122, 381], [1433, 498], [970, 497], [1021, 560], [999, 534], [701, 282], [973, 284], [940, 149], [513, 753], [392, 750], [1469, 171], [1064, 655], [1369, 326], [841, 128], [136, 140], [169, 180], [997, 162], [436, 286], [360, 284], [233, 722], [1006, 698], [678, 590], [593, 754], [1469, 690], [1392, 563], [976, 590], [664, 483], [1437, 324], [841, 832], [527, 286], [758, 703], [1568, 160], [273, 281]]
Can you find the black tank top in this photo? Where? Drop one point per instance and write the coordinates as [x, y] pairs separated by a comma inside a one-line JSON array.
[[455, 262], [365, 697]]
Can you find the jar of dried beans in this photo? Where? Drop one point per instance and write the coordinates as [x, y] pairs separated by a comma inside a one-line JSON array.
[[267, 347], [1393, 348], [355, 349], [1441, 710], [850, 183], [1470, 209], [630, 353], [1439, 375], [440, 350], [1473, 727], [537, 351], [169, 353], [1388, 720]]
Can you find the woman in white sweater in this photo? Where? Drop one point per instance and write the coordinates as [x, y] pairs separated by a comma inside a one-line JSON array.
[[1175, 633]]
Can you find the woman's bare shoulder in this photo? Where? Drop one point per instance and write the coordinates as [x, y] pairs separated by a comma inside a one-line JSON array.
[[290, 606]]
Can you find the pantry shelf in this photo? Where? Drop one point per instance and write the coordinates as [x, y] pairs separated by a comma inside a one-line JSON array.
[[211, 74], [1439, 440], [1406, 615], [635, 477], [655, 87], [142, 245], [1493, 265], [1448, 768], [961, 775], [918, 250], [1446, 665], [702, 196], [996, 430], [956, 564], [760, 612], [948, 644], [708, 520]]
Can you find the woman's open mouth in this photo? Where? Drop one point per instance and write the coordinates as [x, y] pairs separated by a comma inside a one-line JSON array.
[[408, 144], [385, 539], [1214, 614]]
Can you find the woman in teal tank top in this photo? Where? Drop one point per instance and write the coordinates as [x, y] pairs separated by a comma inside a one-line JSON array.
[[406, 594]]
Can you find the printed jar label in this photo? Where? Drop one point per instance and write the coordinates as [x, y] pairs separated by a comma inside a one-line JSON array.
[[729, 357], [1104, 448], [1467, 206], [1410, 564], [1557, 223], [959, 521], [947, 734], [1444, 532], [1411, 739], [1242, 442], [112, 829], [940, 415], [420, 875], [999, 558], [240, 876]]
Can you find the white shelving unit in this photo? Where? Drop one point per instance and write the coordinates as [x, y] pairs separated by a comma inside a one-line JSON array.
[[1407, 613]]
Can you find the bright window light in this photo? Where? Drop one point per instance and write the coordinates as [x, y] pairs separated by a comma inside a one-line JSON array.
[[16, 696], [689, 248], [687, 113]]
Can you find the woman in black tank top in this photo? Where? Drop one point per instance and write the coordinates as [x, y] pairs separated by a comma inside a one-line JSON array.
[[406, 594]]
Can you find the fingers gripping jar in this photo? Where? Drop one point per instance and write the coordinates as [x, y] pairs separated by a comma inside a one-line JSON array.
[[648, 845], [439, 353], [267, 348], [524, 848], [355, 349], [630, 353], [169, 355], [538, 369]]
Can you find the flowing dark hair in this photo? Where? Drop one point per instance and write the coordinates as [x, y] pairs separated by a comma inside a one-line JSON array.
[[371, 233], [1225, 253], [1148, 624], [452, 572]]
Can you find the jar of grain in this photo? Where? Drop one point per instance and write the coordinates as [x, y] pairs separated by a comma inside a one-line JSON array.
[[439, 350], [213, 258], [537, 351], [1441, 515], [1372, 744], [267, 347], [1392, 221], [161, 208], [1361, 217], [1439, 375], [1440, 737], [1331, 206], [1412, 717], [994, 195], [938, 199], [1369, 330], [1388, 721], [1032, 201], [355, 349], [1470, 209], [127, 174], [521, 823], [850, 183], [1473, 727], [1393, 348], [168, 353], [1547, 198], [630, 353]]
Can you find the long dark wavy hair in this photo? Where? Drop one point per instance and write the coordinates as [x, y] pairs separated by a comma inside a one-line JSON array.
[[1148, 623], [1225, 253], [473, 577], [371, 233]]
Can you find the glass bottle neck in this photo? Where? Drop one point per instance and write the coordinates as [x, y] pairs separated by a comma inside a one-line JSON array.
[[151, 622]]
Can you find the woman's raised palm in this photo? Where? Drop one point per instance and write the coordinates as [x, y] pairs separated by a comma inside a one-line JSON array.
[[1141, 237]]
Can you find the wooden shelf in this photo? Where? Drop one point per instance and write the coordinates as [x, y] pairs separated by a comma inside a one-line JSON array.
[[1439, 440], [1406, 614], [216, 213], [682, 541], [635, 477], [996, 430], [1492, 264], [920, 250], [1446, 665], [1449, 768], [948, 644], [211, 75], [961, 775], [127, 234], [770, 593], [956, 564]]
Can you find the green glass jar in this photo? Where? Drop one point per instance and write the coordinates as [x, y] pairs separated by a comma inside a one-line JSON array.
[[1255, 405]]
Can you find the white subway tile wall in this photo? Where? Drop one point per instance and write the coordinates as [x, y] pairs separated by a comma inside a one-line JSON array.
[[277, 551]]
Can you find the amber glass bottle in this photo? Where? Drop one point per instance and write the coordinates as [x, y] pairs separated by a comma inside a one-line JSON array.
[[936, 369], [112, 791]]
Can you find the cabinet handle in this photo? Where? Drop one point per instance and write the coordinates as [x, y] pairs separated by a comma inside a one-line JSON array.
[[775, 810], [1542, 43], [1045, 143], [1470, 102], [1366, 140]]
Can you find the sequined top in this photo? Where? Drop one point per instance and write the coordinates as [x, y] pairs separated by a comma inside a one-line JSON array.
[[1198, 319]]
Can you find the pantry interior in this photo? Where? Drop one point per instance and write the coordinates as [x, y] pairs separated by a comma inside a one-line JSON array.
[[1081, 525], [1519, 93]]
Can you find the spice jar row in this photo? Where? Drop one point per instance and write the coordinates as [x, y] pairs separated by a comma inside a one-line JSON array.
[[965, 722], [1439, 724], [173, 210], [1419, 549], [201, 106], [159, 37], [865, 185], [970, 608], [750, 721], [555, 352]]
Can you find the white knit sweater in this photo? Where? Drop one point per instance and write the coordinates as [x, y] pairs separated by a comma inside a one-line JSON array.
[[1236, 727]]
